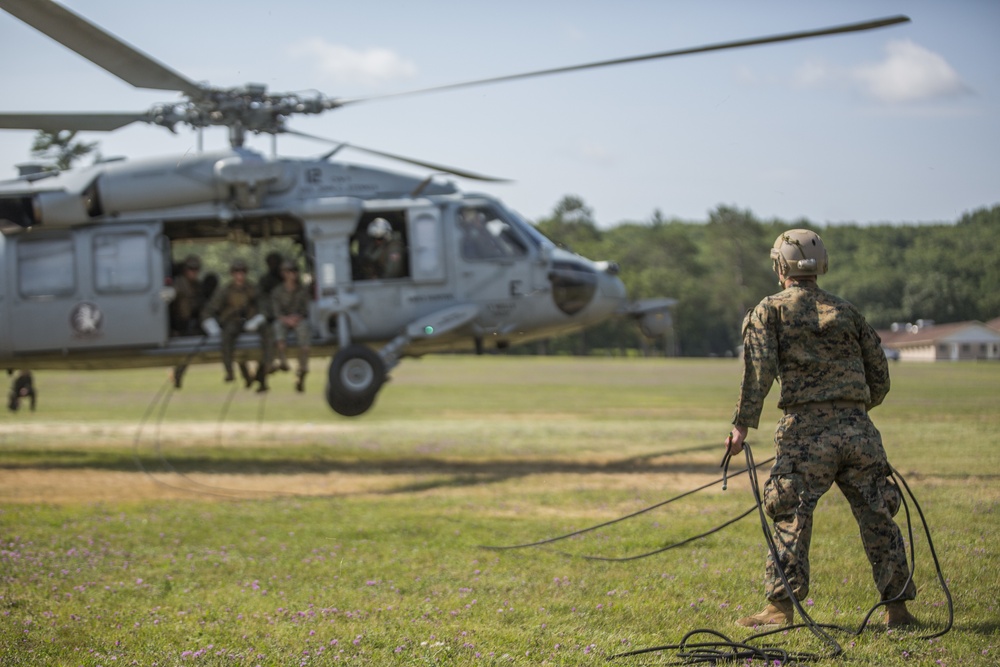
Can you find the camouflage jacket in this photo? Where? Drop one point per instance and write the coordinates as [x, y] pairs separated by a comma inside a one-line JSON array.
[[818, 346], [384, 259], [295, 302], [188, 300], [265, 286], [232, 303]]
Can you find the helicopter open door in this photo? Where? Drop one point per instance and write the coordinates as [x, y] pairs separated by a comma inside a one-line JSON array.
[[86, 288], [414, 285]]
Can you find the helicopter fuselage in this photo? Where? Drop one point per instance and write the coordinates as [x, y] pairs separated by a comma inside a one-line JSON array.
[[86, 261]]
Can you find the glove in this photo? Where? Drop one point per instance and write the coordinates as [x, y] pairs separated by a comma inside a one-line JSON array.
[[254, 323], [211, 327]]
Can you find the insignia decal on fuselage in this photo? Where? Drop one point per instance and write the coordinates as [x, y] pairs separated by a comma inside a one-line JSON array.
[[86, 320]]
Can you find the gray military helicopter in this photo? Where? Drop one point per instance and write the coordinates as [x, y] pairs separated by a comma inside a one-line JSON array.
[[86, 255]]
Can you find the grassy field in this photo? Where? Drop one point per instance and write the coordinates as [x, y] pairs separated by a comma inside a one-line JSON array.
[[210, 527]]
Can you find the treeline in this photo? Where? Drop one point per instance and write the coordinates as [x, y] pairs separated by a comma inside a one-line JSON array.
[[720, 268]]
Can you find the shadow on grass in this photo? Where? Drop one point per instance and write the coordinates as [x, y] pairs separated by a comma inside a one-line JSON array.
[[263, 462], [439, 472]]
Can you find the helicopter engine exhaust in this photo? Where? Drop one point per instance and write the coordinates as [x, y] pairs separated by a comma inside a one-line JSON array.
[[18, 210]]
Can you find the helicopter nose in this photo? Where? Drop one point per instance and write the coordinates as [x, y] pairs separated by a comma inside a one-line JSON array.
[[611, 294], [591, 289]]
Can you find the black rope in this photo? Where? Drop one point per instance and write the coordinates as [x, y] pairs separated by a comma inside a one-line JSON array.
[[644, 510], [814, 627], [727, 650], [162, 400], [930, 545], [622, 559]]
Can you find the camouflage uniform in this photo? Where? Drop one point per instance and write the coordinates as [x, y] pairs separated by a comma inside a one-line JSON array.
[[831, 370], [292, 302], [384, 258], [265, 286], [186, 306], [232, 306]]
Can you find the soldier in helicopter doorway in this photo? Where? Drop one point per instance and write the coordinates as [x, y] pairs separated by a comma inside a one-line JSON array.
[[232, 310], [290, 304]]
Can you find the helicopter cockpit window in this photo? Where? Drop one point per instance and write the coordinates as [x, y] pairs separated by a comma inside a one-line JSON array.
[[120, 262], [484, 235], [46, 267]]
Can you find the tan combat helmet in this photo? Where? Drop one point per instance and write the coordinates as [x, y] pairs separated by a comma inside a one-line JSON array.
[[799, 252]]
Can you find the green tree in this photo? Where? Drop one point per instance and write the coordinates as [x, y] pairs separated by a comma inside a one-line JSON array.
[[572, 226], [735, 248], [868, 267], [717, 269], [61, 148]]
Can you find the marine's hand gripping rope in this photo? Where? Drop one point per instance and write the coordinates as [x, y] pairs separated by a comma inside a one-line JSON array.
[[727, 457]]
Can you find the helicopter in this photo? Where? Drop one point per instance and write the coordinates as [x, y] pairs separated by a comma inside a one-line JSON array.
[[87, 256]]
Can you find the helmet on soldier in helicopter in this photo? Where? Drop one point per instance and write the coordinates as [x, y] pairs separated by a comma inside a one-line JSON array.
[[379, 228], [799, 252]]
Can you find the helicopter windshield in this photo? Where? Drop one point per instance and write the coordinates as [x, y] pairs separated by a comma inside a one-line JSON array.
[[528, 230], [487, 235]]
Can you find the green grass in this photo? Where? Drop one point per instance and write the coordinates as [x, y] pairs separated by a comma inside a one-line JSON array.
[[283, 534]]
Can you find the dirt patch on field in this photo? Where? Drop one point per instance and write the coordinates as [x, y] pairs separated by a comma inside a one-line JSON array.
[[175, 471], [60, 487], [63, 487], [82, 434]]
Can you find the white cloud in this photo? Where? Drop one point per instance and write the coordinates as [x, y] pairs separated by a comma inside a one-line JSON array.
[[342, 64], [909, 73]]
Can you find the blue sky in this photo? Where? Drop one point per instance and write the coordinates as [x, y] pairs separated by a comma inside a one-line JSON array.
[[895, 125]]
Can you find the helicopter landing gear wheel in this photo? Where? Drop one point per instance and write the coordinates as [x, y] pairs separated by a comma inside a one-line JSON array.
[[356, 374]]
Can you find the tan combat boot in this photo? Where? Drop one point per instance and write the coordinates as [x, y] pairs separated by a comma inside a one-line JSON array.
[[777, 612], [897, 616]]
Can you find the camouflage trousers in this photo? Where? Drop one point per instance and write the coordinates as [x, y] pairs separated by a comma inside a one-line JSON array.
[[817, 446]]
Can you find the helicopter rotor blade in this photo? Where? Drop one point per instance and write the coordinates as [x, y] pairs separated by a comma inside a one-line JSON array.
[[401, 158], [721, 46], [99, 47], [55, 122]]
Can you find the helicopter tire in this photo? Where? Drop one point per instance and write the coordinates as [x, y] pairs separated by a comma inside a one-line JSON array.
[[356, 374], [347, 407]]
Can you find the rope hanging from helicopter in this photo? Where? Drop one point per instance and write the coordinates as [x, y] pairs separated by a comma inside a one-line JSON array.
[[161, 400], [722, 648]]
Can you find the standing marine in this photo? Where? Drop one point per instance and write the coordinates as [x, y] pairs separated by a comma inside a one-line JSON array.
[[832, 371]]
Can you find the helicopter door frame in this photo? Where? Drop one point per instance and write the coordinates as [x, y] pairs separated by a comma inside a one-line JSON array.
[[418, 224], [88, 288]]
